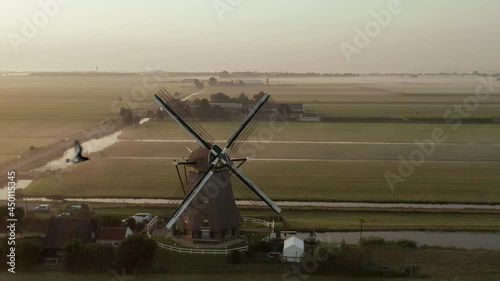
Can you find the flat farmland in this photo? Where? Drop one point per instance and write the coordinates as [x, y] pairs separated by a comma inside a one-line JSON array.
[[39, 110], [282, 180], [323, 131], [400, 111], [304, 161], [310, 151]]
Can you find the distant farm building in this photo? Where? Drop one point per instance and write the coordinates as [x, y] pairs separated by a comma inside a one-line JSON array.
[[253, 82], [233, 109], [289, 111], [310, 117]]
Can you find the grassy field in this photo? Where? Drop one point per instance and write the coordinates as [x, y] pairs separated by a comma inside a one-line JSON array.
[[318, 151], [307, 219], [396, 111], [310, 181], [39, 110], [442, 264], [324, 131]]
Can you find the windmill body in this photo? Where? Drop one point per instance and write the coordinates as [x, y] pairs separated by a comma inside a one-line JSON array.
[[212, 216], [208, 212]]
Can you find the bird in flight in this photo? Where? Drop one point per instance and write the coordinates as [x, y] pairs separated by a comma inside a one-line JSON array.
[[78, 151]]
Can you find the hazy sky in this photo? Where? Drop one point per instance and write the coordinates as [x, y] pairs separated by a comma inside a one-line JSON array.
[[257, 35]]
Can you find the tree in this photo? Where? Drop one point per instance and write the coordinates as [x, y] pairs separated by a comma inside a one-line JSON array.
[[136, 251], [74, 255], [198, 84], [220, 98], [224, 74], [29, 254], [126, 115], [243, 99], [160, 114], [99, 257], [203, 110], [110, 221], [212, 81], [258, 96]]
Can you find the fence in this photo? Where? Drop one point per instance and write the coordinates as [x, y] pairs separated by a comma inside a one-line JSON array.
[[148, 227], [201, 251], [266, 223]]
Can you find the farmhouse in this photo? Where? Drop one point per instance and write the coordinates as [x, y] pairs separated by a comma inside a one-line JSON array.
[[63, 229]]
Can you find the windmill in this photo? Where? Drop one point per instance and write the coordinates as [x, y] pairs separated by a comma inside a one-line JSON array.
[[208, 211]]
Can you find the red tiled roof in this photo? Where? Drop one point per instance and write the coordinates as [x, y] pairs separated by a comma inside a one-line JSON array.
[[112, 233]]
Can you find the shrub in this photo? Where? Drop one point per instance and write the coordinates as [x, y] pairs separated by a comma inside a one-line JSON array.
[[136, 251], [110, 221], [74, 259], [405, 243], [372, 241], [100, 257], [29, 254], [235, 257]]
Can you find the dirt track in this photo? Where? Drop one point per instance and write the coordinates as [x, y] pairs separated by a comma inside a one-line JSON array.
[[40, 156]]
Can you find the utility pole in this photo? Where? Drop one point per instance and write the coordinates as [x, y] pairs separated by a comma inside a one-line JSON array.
[[361, 232]]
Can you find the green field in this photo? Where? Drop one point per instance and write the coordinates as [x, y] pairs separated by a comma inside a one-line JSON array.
[[403, 111], [363, 181], [324, 131]]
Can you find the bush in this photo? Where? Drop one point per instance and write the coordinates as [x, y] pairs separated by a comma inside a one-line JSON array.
[[90, 257], [372, 241], [405, 243], [74, 260], [100, 257], [29, 255], [4, 251], [137, 251], [235, 257], [110, 221]]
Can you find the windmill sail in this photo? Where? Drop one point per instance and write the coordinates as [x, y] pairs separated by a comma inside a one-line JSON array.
[[191, 195], [254, 188], [179, 113], [262, 111]]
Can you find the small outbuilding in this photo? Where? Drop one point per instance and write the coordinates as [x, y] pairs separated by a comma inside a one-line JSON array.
[[113, 235], [293, 249]]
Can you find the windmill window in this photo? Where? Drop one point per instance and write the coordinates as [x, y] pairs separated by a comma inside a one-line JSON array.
[[205, 219]]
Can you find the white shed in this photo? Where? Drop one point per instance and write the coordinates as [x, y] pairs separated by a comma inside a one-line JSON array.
[[293, 249]]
